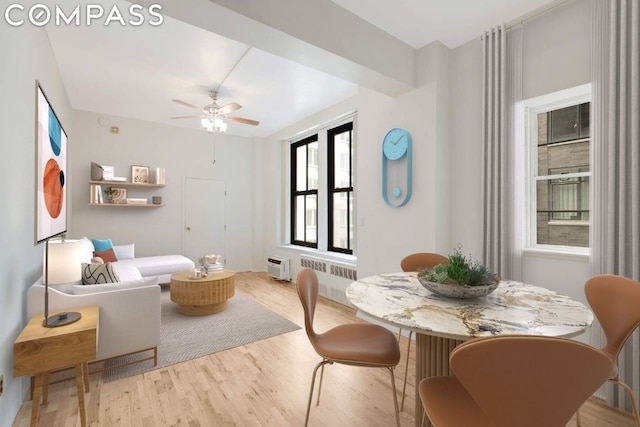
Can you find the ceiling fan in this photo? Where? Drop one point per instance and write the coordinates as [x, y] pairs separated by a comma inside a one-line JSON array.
[[213, 114]]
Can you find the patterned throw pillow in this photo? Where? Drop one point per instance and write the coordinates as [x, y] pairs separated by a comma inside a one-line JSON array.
[[93, 274]]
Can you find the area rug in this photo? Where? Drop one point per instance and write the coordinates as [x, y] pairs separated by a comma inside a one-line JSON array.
[[187, 337]]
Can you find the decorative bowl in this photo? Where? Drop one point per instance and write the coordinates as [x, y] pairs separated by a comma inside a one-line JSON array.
[[458, 291]]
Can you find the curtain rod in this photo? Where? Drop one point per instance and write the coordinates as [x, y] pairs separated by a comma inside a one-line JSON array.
[[536, 12], [533, 14]]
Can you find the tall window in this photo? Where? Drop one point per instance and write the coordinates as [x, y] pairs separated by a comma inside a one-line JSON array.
[[340, 184], [304, 184], [559, 182], [322, 191]]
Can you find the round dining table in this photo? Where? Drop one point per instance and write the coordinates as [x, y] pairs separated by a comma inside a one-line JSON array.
[[441, 323]]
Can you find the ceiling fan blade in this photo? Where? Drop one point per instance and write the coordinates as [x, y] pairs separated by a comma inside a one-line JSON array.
[[242, 120], [186, 104], [189, 117], [229, 108]]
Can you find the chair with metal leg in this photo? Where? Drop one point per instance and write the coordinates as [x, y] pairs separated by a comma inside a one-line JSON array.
[[615, 300], [514, 380], [416, 262], [357, 344]]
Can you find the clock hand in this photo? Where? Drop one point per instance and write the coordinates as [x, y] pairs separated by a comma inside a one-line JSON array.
[[397, 140]]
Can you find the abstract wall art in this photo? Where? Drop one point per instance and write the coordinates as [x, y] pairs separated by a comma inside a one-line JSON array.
[[51, 171]]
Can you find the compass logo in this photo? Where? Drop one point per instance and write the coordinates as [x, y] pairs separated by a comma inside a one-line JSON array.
[[40, 15]]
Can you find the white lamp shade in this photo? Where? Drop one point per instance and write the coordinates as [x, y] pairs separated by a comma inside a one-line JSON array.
[[65, 261]]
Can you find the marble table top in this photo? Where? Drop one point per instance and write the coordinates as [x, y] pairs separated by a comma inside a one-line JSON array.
[[513, 308]]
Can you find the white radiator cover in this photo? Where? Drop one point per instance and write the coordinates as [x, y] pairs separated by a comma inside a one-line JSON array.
[[279, 268]]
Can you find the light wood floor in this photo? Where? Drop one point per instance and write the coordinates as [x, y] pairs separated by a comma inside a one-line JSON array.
[[264, 383]]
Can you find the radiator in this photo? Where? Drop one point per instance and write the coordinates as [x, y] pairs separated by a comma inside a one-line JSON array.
[[278, 268]]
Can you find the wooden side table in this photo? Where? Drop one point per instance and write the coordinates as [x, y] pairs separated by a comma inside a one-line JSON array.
[[38, 350], [206, 295]]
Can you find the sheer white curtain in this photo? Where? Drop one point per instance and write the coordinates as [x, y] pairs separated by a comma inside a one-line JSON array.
[[501, 89], [616, 167]]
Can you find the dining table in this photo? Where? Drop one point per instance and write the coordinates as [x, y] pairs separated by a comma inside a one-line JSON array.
[[442, 323]]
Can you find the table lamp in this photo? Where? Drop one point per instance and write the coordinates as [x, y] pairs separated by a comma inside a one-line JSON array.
[[62, 264]]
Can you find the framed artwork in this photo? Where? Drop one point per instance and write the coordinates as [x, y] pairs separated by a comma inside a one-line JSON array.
[[119, 195], [140, 174], [51, 170]]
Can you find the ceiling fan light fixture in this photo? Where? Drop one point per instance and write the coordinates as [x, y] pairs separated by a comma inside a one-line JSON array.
[[214, 125]]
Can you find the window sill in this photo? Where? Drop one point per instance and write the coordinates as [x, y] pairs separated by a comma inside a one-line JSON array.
[[568, 253], [351, 260], [569, 222]]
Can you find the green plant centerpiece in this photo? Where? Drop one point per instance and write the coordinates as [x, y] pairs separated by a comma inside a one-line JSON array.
[[460, 277]]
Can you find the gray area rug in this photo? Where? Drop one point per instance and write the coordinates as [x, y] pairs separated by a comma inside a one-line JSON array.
[[187, 337]]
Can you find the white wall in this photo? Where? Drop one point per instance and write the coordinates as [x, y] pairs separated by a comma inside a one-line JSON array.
[[556, 55], [183, 153], [384, 234], [26, 56]]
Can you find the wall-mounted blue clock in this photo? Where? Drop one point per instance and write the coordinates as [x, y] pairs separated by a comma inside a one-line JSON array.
[[396, 167]]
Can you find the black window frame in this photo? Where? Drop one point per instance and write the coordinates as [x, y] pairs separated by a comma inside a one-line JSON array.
[[295, 193], [333, 190]]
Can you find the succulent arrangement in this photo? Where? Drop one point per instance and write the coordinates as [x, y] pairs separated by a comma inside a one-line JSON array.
[[460, 270]]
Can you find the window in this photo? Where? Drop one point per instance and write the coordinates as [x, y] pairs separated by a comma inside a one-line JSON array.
[[340, 186], [559, 147], [304, 184], [322, 191]]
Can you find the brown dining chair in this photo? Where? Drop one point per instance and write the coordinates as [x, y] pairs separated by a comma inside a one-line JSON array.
[[416, 262], [615, 301], [357, 344], [514, 380]]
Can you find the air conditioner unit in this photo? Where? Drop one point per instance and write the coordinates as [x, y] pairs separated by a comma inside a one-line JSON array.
[[278, 268]]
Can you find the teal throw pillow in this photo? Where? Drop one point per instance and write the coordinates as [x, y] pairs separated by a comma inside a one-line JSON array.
[[102, 245]]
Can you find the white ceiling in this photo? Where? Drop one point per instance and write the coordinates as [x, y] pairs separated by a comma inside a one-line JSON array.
[[135, 72]]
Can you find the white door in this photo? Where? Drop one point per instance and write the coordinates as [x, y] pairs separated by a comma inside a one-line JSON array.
[[204, 218]]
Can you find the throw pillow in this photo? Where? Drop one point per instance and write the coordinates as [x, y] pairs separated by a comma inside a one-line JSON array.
[[125, 251], [101, 245], [98, 273], [97, 260], [107, 256]]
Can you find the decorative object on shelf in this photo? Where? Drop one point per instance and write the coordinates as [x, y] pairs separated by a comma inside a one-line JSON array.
[[156, 200], [159, 176], [116, 195], [96, 172], [140, 174], [396, 167], [137, 201], [95, 194], [107, 173], [461, 277], [51, 176]]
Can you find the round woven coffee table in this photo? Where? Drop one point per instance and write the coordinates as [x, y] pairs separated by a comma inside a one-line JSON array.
[[199, 297]]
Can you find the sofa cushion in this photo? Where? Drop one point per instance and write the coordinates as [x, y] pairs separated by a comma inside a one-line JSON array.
[[125, 251], [126, 270], [107, 256], [98, 273], [159, 265], [102, 245], [105, 287]]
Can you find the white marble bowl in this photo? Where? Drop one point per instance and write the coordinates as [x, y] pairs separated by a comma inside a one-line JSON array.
[[457, 291]]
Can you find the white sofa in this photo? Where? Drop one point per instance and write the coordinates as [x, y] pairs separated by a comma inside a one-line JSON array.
[[129, 319]]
